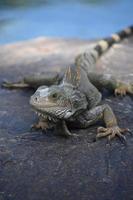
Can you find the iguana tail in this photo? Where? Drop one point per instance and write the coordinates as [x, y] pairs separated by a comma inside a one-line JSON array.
[[106, 43], [89, 57]]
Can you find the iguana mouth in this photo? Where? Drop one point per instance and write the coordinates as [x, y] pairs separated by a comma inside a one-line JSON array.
[[46, 117], [51, 109], [34, 103], [52, 112]]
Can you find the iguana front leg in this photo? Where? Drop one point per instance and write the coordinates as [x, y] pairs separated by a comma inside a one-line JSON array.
[[43, 124], [34, 81], [62, 129], [105, 113], [112, 129]]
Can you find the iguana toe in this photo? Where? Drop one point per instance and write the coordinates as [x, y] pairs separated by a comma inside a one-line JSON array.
[[123, 89], [40, 125], [112, 132]]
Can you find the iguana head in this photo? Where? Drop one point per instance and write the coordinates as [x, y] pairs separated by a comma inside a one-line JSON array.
[[58, 101]]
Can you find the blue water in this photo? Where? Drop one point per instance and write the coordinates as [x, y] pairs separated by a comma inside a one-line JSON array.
[[55, 18]]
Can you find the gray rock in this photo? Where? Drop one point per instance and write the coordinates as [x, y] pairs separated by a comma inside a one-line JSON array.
[[44, 166]]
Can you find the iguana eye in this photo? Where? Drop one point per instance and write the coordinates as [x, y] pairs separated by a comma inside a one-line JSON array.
[[54, 95]]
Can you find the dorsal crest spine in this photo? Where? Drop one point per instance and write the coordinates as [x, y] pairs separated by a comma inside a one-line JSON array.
[[73, 75]]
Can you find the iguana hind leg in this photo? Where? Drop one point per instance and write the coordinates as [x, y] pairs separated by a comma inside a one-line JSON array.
[[123, 88], [105, 113], [17, 85], [34, 81], [110, 83]]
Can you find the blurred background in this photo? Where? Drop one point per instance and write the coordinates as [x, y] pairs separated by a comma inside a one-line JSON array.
[[86, 19]]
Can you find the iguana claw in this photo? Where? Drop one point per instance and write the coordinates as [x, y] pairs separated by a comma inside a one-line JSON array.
[[123, 89], [40, 125], [112, 132]]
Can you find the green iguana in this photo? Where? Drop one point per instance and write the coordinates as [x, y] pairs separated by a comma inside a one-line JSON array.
[[73, 98]]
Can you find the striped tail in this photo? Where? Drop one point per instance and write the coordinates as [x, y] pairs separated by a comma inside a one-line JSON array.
[[105, 44], [87, 59]]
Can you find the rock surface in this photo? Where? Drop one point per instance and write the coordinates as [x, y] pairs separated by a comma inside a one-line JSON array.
[[44, 166]]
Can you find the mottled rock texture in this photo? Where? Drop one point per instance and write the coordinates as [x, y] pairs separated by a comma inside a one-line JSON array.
[[44, 166]]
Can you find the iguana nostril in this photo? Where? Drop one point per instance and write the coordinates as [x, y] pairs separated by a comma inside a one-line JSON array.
[[36, 99]]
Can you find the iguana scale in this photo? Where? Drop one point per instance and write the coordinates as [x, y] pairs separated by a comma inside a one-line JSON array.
[[74, 98]]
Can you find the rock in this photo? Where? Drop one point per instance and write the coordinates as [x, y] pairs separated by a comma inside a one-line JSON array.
[[43, 165]]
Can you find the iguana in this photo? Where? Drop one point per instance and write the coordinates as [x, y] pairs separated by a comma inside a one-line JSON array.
[[73, 99]]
